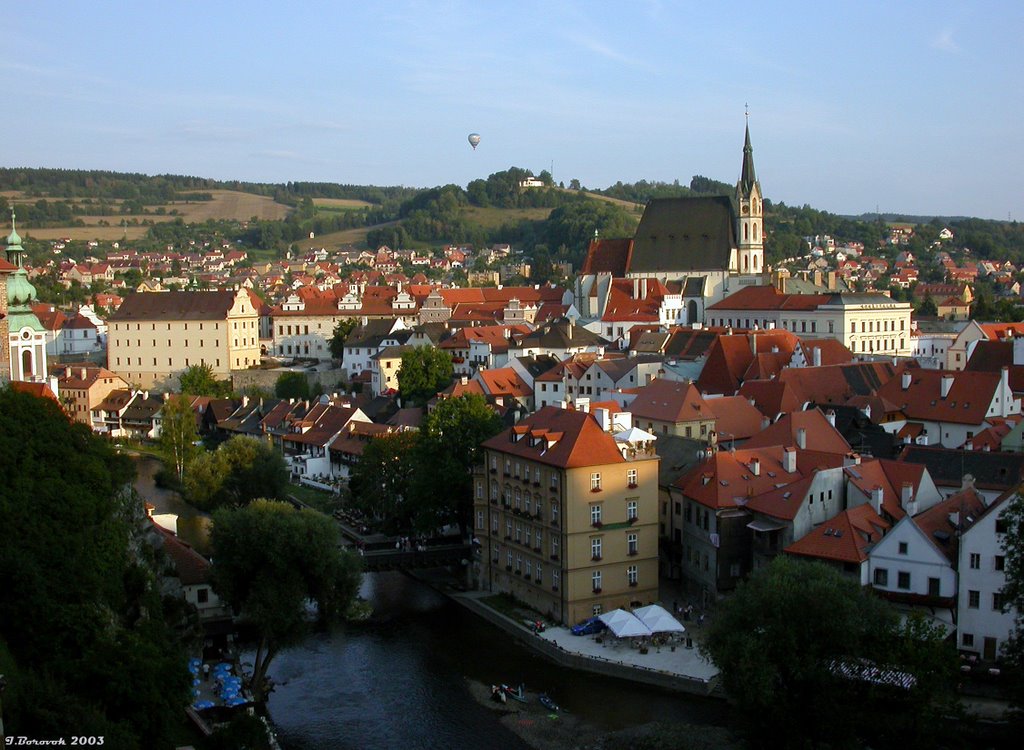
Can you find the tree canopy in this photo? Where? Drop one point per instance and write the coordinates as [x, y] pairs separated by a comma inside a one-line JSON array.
[[292, 385], [199, 380], [382, 479], [341, 332], [269, 561], [784, 639], [449, 448], [178, 434], [239, 471], [84, 642], [424, 371]]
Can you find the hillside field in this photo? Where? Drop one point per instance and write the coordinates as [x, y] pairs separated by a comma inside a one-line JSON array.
[[226, 204]]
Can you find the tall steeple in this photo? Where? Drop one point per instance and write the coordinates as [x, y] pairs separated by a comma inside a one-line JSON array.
[[24, 331], [749, 223]]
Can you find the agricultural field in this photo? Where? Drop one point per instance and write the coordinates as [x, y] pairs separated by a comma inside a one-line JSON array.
[[340, 204], [491, 218], [226, 204]]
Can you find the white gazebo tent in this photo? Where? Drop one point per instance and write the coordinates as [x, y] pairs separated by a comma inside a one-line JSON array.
[[658, 619], [624, 624]]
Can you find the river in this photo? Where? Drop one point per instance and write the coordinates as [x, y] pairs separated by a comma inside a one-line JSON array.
[[400, 680]]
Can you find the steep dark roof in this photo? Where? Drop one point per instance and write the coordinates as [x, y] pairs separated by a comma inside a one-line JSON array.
[[948, 466], [747, 178], [684, 234], [608, 256], [174, 306]]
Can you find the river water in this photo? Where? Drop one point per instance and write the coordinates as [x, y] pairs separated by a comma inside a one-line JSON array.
[[401, 679]]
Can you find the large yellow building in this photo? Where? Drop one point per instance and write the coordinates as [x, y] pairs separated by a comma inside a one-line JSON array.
[[567, 515], [154, 336]]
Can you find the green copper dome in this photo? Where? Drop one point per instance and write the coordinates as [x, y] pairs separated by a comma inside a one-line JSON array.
[[20, 292]]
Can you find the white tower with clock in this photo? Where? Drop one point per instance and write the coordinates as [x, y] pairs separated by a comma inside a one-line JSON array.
[[750, 223], [26, 335]]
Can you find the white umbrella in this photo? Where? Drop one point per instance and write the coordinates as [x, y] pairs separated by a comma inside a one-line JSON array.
[[658, 619], [623, 624]]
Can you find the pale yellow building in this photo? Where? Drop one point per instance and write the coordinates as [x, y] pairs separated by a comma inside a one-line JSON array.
[[866, 323], [153, 337], [567, 515], [84, 387]]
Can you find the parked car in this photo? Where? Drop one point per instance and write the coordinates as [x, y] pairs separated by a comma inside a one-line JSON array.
[[588, 627]]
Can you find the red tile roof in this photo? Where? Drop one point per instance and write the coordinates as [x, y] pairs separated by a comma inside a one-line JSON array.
[[559, 437], [967, 402], [608, 256], [771, 397], [942, 523], [819, 434], [859, 529], [670, 401], [735, 416], [727, 478], [731, 359], [769, 298]]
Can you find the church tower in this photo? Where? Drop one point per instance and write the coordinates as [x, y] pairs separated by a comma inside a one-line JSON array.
[[25, 333], [750, 224]]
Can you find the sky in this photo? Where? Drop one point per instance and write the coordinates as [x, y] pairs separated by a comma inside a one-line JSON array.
[[906, 107]]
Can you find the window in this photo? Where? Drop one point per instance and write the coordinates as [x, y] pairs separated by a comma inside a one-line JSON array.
[[479, 519], [903, 580], [734, 570], [596, 610], [632, 544], [967, 640], [519, 562], [1000, 562], [933, 587], [540, 572], [555, 575], [203, 595], [554, 513], [881, 577], [631, 575], [903, 548], [595, 580], [689, 512], [554, 547], [595, 482], [595, 548], [631, 511], [973, 599], [529, 568], [975, 561], [595, 515], [631, 477], [997, 601]]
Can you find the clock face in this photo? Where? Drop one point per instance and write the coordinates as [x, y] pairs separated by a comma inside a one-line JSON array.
[[745, 209]]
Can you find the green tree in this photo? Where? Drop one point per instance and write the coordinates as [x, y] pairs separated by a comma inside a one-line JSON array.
[[239, 471], [782, 639], [292, 385], [382, 478], [449, 448], [84, 642], [928, 307], [341, 333], [178, 434], [269, 561], [424, 371], [199, 380]]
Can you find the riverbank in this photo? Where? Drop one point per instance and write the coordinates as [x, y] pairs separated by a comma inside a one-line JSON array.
[[542, 729]]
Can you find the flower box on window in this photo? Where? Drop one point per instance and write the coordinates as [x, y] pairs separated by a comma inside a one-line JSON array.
[[536, 549], [537, 580], [631, 519], [633, 553], [595, 489], [632, 584], [632, 485], [555, 558], [595, 558], [597, 524], [519, 572], [554, 588], [597, 590], [508, 567]]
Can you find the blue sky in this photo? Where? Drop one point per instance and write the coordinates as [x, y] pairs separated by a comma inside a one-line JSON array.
[[913, 107]]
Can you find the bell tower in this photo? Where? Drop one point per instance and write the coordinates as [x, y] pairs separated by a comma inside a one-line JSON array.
[[750, 223], [25, 334]]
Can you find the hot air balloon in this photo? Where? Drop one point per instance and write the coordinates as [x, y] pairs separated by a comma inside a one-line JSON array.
[[474, 140]]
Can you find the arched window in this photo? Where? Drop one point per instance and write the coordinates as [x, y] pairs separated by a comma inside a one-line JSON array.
[[755, 232], [746, 262], [746, 231], [26, 364], [691, 312]]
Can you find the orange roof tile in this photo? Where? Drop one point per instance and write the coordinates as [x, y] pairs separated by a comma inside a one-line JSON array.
[[859, 529], [580, 442], [818, 432]]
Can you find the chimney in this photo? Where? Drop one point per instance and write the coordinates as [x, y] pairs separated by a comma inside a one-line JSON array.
[[830, 415], [755, 467], [789, 460], [245, 401], [906, 379], [967, 483], [867, 410], [969, 445], [816, 356], [765, 423], [876, 499], [636, 288], [831, 280], [946, 384], [817, 278], [906, 495], [753, 343], [801, 438], [82, 373], [464, 380]]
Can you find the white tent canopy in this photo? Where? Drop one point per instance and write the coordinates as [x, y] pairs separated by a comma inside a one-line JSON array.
[[624, 624], [658, 619], [634, 435]]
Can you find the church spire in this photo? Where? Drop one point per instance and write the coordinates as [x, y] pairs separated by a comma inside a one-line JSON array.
[[747, 179]]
